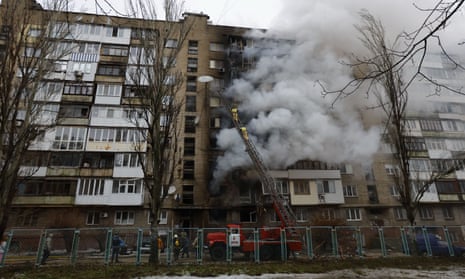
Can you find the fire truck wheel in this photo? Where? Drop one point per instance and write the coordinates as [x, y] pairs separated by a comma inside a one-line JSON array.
[[218, 253], [266, 253]]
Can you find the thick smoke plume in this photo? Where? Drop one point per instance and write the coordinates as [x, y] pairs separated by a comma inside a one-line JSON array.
[[287, 116]]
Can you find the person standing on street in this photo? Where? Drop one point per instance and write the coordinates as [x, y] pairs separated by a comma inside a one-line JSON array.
[[115, 248]]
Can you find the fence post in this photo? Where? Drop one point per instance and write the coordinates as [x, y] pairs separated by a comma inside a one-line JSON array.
[[283, 244], [358, 235], [6, 248], [139, 245], [427, 242], [404, 239], [75, 246], [382, 243], [108, 246], [334, 242], [199, 248], [228, 246], [169, 250], [40, 252], [449, 242], [256, 244], [308, 238]]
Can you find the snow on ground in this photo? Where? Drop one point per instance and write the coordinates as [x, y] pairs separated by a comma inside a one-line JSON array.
[[451, 273]]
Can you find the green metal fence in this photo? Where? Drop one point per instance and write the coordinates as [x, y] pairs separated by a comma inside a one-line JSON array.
[[70, 246]]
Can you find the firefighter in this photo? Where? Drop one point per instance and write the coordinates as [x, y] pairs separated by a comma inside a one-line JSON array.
[[245, 135]]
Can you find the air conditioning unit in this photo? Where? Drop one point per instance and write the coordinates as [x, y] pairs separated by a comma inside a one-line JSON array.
[[103, 214], [221, 70]]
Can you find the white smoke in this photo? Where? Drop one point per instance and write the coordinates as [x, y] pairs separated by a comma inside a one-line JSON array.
[[288, 118]]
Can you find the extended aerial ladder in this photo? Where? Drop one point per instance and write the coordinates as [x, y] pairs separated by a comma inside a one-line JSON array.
[[280, 203]]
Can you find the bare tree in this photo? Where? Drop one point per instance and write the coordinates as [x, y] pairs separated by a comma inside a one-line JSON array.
[[156, 80], [415, 47], [391, 92], [28, 52]]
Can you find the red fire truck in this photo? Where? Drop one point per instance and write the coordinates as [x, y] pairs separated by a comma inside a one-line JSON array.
[[269, 241]]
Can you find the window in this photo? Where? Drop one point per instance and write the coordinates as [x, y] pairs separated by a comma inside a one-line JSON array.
[[135, 91], [450, 125], [73, 111], [436, 143], [189, 124], [93, 218], [390, 169], [326, 186], [353, 214], [163, 220], [448, 213], [245, 194], [217, 64], [114, 31], [301, 187], [446, 187], [193, 47], [171, 43], [127, 186], [91, 187], [115, 50], [69, 138], [301, 214], [111, 70], [426, 213], [216, 47], [282, 186], [60, 66], [109, 90], [400, 213], [124, 217], [89, 48], [65, 159], [415, 144], [27, 219], [130, 160], [138, 33], [78, 89], [189, 146], [248, 216], [34, 32], [188, 194], [394, 189], [350, 191], [82, 67], [192, 65], [188, 169], [191, 84], [430, 125], [328, 214], [32, 52], [115, 135], [191, 103]]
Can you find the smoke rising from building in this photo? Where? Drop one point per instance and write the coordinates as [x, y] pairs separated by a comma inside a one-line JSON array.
[[286, 115]]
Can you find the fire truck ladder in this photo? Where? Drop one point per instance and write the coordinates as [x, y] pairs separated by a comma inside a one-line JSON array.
[[280, 204]]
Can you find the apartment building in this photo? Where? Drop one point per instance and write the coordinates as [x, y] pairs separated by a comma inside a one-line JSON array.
[[87, 172]]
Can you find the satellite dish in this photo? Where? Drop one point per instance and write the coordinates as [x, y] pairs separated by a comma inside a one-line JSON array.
[[171, 190], [205, 78]]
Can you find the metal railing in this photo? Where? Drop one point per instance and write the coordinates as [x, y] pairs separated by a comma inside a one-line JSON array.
[[70, 246]]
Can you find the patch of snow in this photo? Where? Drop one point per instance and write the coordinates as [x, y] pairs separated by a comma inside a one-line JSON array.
[[384, 273]]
